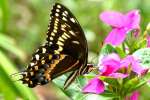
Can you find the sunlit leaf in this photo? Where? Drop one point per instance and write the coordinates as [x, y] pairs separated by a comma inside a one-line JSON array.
[[9, 44], [107, 49], [144, 57], [7, 68]]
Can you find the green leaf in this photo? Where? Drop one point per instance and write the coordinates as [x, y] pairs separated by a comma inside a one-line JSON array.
[[120, 52], [129, 85], [109, 80], [4, 14], [89, 76], [144, 56], [109, 94], [107, 49], [6, 69], [81, 81], [70, 91], [96, 97], [7, 88], [9, 44], [142, 81], [142, 43], [136, 83]]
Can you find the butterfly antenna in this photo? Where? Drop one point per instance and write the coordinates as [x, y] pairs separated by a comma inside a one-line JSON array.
[[17, 76], [18, 73]]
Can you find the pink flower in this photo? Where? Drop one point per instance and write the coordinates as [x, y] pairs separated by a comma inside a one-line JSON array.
[[109, 64], [118, 75], [109, 67], [134, 63], [121, 24], [135, 95], [94, 86]]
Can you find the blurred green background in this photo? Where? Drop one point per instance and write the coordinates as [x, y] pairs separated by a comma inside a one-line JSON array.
[[23, 27]]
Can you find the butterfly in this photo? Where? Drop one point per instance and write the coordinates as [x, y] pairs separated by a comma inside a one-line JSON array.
[[65, 50]]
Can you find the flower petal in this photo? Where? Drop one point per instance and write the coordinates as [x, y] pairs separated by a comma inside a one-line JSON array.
[[130, 60], [116, 36], [112, 56], [135, 95], [132, 20], [109, 64], [118, 75], [94, 86], [112, 18]]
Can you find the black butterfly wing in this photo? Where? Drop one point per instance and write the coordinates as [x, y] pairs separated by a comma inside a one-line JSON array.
[[65, 50], [65, 31], [69, 35]]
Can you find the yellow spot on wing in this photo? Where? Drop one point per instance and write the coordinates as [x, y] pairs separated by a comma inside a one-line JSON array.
[[51, 38], [31, 82], [61, 39], [43, 50], [57, 10], [31, 73], [55, 27], [73, 20], [55, 31], [58, 6], [57, 52], [37, 57], [60, 43], [57, 19], [56, 14], [60, 48], [32, 64], [66, 35], [66, 12], [63, 36], [27, 79], [50, 56], [53, 34], [43, 61], [71, 32], [64, 19], [36, 67], [52, 66], [76, 42]]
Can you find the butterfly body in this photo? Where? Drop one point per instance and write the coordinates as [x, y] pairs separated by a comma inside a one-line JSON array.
[[65, 50]]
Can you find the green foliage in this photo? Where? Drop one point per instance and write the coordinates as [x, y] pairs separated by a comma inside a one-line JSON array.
[[107, 49], [143, 55], [23, 26], [10, 88]]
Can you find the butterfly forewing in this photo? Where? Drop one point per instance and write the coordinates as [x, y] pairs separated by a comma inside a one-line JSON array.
[[64, 51], [65, 30]]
